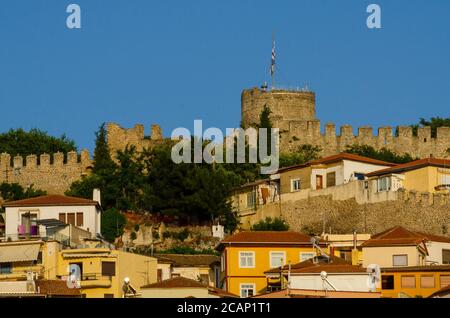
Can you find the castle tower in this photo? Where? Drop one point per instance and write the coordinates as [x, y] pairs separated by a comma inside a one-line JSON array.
[[286, 105]]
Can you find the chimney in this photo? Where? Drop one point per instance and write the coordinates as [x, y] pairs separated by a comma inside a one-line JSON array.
[[96, 196]]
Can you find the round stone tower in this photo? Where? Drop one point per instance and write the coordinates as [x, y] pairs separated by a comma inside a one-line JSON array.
[[286, 106]]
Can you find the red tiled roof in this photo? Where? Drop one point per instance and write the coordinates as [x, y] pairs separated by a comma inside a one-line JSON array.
[[337, 265], [257, 237], [51, 200], [340, 157], [401, 236], [56, 288], [412, 166], [441, 292], [221, 293], [423, 268], [352, 157], [177, 282]]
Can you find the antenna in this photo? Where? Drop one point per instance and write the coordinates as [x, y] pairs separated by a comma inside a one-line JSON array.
[[315, 243]]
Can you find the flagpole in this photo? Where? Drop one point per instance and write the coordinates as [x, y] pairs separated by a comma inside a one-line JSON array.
[[273, 61]]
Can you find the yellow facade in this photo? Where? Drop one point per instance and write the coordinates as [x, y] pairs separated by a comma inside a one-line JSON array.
[[96, 283], [413, 283], [236, 276], [425, 179]]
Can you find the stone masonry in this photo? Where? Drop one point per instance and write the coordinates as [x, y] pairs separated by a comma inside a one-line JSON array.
[[295, 114]]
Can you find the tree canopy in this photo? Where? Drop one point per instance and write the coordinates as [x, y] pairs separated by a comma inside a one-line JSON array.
[[383, 154], [37, 142], [270, 224], [434, 123], [304, 154]]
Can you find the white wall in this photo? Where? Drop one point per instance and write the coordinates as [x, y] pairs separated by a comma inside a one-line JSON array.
[[343, 282], [91, 216], [435, 251]]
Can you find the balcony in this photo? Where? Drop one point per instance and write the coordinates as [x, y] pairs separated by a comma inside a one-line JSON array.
[[93, 280]]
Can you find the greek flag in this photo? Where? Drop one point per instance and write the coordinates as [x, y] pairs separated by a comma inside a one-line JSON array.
[[272, 66]]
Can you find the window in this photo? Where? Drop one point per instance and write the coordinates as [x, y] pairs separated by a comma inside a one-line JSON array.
[[71, 218], [384, 184], [108, 269], [359, 176], [446, 257], [444, 281], [295, 185], [246, 259], [445, 179], [159, 275], [387, 282], [408, 282], [331, 179], [427, 281], [5, 268], [62, 217], [304, 256], [80, 219], [400, 260], [109, 296], [39, 259], [277, 259], [251, 199], [247, 290]]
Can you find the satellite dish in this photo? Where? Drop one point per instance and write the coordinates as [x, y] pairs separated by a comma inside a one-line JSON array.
[[374, 276], [323, 275]]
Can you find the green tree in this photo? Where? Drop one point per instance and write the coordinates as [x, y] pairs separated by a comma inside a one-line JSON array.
[[270, 224], [20, 142], [266, 122], [434, 123], [304, 154], [113, 224], [383, 154], [14, 191]]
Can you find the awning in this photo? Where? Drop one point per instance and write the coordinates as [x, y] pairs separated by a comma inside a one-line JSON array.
[[51, 223], [19, 253], [21, 287], [86, 255]]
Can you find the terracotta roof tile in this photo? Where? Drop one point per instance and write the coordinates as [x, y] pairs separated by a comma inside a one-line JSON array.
[[51, 200], [256, 237], [412, 166], [401, 236], [340, 157], [56, 288], [181, 260], [337, 265], [177, 282]]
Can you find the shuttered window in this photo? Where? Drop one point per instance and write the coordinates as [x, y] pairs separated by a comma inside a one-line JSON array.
[[445, 256], [427, 281], [80, 219], [331, 179], [408, 282], [108, 269], [62, 217], [445, 281], [71, 218]]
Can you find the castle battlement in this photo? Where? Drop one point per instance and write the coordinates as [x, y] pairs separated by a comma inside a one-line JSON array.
[[52, 174], [294, 113]]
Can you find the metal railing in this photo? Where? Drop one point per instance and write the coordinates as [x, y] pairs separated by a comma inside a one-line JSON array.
[[42, 236]]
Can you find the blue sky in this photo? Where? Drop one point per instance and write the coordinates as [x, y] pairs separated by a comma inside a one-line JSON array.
[[170, 62]]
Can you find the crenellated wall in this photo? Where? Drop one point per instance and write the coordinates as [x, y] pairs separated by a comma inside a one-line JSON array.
[[294, 113], [54, 176], [119, 138]]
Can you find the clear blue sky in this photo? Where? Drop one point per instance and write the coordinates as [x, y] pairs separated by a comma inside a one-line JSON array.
[[170, 62]]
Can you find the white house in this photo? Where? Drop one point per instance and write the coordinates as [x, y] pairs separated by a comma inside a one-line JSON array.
[[341, 276], [343, 168], [23, 216]]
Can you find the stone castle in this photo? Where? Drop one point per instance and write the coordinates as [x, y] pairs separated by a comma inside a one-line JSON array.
[[293, 111]]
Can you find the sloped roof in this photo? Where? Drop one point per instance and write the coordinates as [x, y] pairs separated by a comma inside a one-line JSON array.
[[267, 237], [177, 282], [56, 288], [336, 265], [183, 260], [401, 236], [51, 200], [340, 157], [412, 166], [441, 292]]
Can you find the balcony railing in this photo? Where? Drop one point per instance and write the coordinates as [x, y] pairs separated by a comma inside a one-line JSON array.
[[44, 236]]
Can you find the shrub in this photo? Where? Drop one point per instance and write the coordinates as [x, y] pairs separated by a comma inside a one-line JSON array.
[[270, 224]]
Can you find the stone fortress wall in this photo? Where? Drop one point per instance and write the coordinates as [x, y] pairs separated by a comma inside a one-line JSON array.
[[55, 176], [294, 112]]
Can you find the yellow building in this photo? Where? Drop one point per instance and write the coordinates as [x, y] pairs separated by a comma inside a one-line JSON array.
[[430, 175], [20, 259], [247, 255], [415, 281], [103, 270], [346, 246]]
